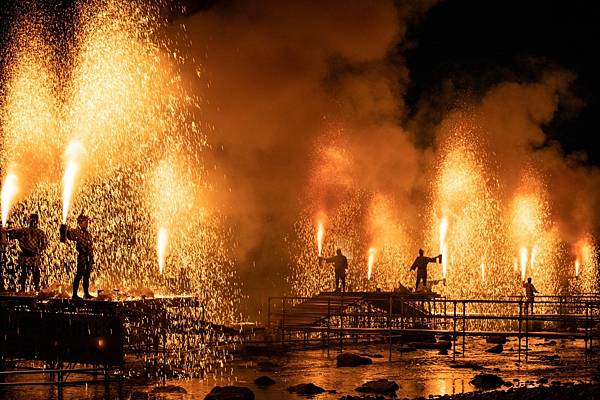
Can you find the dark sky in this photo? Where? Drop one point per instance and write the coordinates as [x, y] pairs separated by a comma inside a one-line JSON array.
[[486, 42]]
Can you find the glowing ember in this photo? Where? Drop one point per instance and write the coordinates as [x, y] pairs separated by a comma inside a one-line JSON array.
[[371, 261], [74, 157], [10, 189], [523, 257], [163, 237], [320, 233]]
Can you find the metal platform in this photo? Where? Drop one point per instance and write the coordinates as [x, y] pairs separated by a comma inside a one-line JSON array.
[[391, 315]]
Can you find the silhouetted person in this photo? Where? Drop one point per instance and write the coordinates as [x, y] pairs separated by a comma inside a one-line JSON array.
[[32, 241], [340, 265], [530, 292], [85, 254], [420, 264]]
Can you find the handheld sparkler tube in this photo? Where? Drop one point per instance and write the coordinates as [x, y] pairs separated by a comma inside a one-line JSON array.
[[440, 261], [63, 233], [3, 236]]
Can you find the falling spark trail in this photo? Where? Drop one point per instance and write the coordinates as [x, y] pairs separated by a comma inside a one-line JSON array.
[[9, 191], [371, 261], [320, 233], [73, 155], [577, 266], [163, 237]]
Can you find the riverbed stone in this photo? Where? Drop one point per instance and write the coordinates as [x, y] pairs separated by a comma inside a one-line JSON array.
[[306, 389], [380, 386], [487, 381], [495, 349], [230, 393], [348, 359], [264, 381]]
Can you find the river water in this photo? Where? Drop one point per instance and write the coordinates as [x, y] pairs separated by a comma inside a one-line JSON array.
[[420, 373]]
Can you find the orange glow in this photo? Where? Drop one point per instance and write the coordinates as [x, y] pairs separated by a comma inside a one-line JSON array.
[[320, 234], [74, 157], [371, 262], [10, 189], [443, 246], [523, 256], [163, 238]]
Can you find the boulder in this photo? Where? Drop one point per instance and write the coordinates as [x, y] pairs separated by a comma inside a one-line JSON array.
[[352, 360], [443, 352], [487, 381], [496, 339], [230, 393], [495, 349], [381, 386], [169, 389], [263, 381], [306, 389]]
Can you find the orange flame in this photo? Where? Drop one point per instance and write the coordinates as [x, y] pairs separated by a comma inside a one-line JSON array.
[[163, 237], [320, 233], [10, 188], [372, 252], [74, 157], [523, 255], [443, 246]]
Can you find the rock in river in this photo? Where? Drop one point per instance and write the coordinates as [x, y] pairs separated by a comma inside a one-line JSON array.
[[230, 393], [352, 360], [381, 386]]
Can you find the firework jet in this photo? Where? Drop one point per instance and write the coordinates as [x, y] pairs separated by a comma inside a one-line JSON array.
[[371, 262], [320, 233], [161, 248], [10, 189], [74, 155], [443, 249]]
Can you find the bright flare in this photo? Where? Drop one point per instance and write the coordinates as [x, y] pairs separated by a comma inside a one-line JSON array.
[[577, 266], [10, 189], [482, 266], [523, 256], [372, 253], [443, 247], [320, 233], [163, 237], [74, 157]]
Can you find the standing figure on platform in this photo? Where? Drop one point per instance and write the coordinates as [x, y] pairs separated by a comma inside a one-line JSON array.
[[340, 265], [420, 264], [32, 241], [85, 253], [530, 292]]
